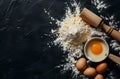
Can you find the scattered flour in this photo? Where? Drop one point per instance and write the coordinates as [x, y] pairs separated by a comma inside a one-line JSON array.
[[100, 5], [71, 34]]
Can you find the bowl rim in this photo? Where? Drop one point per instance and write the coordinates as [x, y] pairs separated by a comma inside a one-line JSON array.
[[89, 40]]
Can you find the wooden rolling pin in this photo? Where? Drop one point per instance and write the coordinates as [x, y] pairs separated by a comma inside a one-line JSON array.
[[114, 58], [97, 21]]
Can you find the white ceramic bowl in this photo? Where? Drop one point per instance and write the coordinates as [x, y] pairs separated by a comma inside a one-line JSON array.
[[96, 58]]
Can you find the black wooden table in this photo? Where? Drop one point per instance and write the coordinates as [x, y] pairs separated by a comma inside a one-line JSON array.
[[24, 39]]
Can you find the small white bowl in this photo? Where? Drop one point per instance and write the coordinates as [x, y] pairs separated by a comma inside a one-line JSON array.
[[100, 57]]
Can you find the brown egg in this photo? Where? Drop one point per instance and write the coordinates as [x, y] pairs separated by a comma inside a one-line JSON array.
[[90, 72], [99, 76], [81, 64], [101, 67]]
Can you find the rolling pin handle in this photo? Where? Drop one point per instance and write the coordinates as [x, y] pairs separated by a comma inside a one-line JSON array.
[[114, 58], [110, 31]]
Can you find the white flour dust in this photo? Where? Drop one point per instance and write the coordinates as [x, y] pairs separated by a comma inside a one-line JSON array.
[[100, 5], [72, 32]]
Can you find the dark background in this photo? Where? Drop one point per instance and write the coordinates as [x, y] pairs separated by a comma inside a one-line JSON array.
[[24, 34]]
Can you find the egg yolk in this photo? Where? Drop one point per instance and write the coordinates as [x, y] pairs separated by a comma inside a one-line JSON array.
[[96, 48]]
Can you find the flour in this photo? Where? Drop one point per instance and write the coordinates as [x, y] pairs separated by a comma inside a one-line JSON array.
[[72, 32], [100, 5], [71, 35]]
